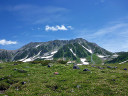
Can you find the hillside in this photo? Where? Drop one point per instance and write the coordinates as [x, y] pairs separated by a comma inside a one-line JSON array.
[[122, 58]]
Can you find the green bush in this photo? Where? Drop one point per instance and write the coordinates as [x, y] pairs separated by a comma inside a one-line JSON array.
[[62, 62], [45, 62]]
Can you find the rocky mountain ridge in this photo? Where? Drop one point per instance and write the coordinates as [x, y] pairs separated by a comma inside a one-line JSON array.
[[74, 49]]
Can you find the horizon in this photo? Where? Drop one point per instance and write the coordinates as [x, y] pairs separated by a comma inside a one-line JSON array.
[[104, 22]]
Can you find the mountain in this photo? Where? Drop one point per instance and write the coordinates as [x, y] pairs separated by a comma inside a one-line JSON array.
[[6, 55], [122, 58], [76, 49]]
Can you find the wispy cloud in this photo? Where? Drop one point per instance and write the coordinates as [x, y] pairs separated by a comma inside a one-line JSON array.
[[112, 37], [116, 29], [5, 42], [57, 28], [38, 14]]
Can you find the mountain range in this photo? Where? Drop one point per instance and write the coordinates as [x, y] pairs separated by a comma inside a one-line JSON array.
[[78, 49]]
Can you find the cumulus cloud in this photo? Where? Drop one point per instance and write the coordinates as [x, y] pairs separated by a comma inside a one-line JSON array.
[[5, 42], [57, 28]]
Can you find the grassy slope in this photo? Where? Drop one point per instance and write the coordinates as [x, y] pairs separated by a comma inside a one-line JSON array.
[[41, 80], [96, 59]]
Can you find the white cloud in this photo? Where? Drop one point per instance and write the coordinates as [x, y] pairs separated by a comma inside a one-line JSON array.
[[57, 28], [5, 42], [70, 27]]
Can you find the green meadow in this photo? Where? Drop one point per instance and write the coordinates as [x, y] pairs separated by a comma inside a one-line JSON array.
[[28, 79]]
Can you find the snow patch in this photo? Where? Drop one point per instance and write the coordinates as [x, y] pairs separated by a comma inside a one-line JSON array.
[[37, 54], [50, 56], [46, 57], [115, 55], [23, 58], [27, 60], [37, 45], [53, 52], [69, 62], [72, 52], [123, 62], [84, 61], [32, 58], [101, 56], [89, 50]]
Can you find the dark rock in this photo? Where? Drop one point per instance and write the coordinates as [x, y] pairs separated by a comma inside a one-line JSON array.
[[93, 66], [100, 67], [125, 68], [4, 86], [2, 78], [1, 67], [56, 87], [15, 64], [22, 71], [49, 66], [75, 67], [113, 80], [23, 83], [78, 86], [115, 67], [86, 70], [109, 67], [5, 77], [15, 69], [63, 80]]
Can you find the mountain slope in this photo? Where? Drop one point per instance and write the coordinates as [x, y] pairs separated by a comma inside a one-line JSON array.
[[122, 58], [6, 55], [69, 49]]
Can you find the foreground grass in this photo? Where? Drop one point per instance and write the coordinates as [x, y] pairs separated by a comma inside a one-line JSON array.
[[37, 80]]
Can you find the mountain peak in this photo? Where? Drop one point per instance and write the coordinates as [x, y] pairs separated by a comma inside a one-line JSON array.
[[75, 48]]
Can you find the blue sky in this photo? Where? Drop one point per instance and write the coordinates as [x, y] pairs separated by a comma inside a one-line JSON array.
[[104, 22]]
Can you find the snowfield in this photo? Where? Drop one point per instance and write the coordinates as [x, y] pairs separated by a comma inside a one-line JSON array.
[[48, 57]]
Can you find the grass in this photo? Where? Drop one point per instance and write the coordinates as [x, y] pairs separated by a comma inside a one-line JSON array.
[[28, 79]]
